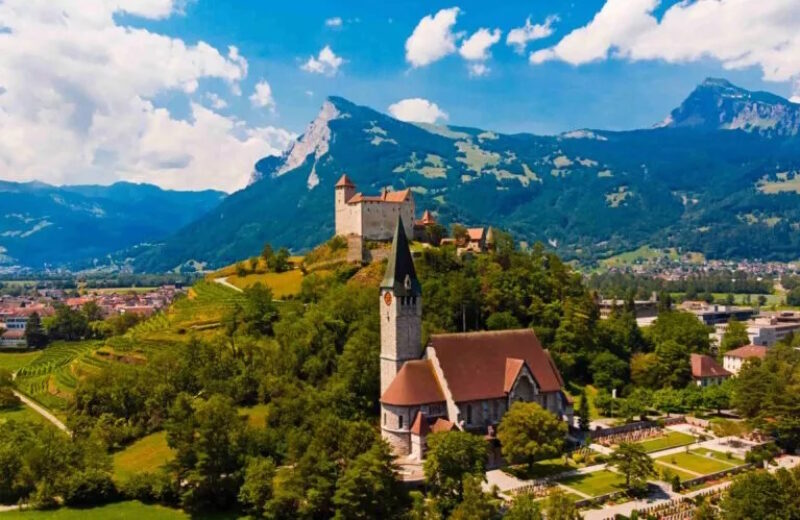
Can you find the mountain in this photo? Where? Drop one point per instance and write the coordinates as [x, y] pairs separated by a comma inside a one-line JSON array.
[[719, 105], [48, 226], [728, 190]]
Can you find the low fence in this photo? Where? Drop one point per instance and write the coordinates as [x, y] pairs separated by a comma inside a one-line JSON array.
[[634, 426], [700, 423]]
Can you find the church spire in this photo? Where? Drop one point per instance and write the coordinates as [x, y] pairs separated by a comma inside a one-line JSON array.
[[400, 277]]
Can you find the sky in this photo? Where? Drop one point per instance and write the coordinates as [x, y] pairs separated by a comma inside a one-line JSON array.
[[189, 94]]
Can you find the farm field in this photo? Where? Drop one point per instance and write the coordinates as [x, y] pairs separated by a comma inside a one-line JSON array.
[[119, 511], [596, 483], [698, 463], [671, 440], [282, 284], [13, 361], [143, 456]]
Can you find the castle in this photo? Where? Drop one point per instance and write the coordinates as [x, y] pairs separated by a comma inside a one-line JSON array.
[[461, 381], [371, 217]]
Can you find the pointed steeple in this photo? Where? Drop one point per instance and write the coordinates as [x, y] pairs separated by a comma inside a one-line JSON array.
[[400, 277]]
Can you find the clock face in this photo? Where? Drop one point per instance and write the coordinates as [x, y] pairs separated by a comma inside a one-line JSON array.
[[387, 298]]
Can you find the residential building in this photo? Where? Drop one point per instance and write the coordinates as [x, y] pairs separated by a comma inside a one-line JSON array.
[[713, 314], [767, 330], [706, 371], [733, 360]]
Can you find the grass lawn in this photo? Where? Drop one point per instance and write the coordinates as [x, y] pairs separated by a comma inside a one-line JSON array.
[[13, 361], [118, 511], [718, 455], [684, 476], [23, 413], [671, 440], [596, 483], [697, 462], [145, 455], [282, 284]]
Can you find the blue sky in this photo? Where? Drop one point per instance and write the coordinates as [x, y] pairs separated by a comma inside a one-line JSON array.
[[189, 93]]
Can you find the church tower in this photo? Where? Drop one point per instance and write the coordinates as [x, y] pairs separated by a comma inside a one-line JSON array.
[[401, 310]]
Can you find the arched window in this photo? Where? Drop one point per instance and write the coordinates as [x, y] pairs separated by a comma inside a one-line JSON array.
[[384, 418], [400, 421], [469, 414]]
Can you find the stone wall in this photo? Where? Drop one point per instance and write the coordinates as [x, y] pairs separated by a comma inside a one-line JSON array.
[[396, 427], [401, 336], [378, 219]]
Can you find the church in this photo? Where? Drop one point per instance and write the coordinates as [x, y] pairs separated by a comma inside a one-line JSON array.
[[463, 381]]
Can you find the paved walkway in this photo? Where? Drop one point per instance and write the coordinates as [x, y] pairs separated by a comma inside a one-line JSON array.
[[225, 283], [43, 412]]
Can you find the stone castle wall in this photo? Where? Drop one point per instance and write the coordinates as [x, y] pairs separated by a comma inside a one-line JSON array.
[[372, 220]]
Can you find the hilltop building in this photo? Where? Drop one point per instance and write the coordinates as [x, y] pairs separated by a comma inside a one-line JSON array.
[[371, 217], [461, 381]]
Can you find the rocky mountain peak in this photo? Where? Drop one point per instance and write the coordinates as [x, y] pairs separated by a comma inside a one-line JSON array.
[[717, 104]]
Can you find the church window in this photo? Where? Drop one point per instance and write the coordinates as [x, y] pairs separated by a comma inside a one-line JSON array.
[[384, 418], [400, 421], [469, 414]]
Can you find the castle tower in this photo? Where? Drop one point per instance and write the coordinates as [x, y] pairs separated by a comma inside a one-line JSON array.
[[401, 310], [345, 190]]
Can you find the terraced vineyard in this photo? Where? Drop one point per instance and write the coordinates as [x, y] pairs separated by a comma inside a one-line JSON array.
[[53, 375]]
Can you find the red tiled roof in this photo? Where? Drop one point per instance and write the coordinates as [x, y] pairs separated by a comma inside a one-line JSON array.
[[476, 233], [420, 426], [513, 366], [706, 366], [442, 425], [344, 181], [748, 351], [427, 219], [474, 363], [414, 385], [386, 196]]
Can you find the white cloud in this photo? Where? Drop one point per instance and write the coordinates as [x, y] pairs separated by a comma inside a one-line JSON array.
[[476, 47], [334, 22], [216, 101], [326, 62], [262, 96], [417, 110], [520, 36], [433, 38], [76, 100], [737, 33], [478, 69]]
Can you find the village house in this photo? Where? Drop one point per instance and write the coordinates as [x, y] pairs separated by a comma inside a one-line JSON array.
[[733, 360], [706, 371], [463, 381], [371, 217]]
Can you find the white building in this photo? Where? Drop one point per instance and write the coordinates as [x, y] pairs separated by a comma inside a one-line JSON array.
[[372, 217]]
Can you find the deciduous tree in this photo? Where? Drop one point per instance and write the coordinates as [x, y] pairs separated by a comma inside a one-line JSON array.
[[529, 433]]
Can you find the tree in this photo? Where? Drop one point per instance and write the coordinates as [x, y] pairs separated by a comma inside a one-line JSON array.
[[717, 397], [452, 456], [682, 327], [608, 371], [673, 361], [369, 488], [68, 325], [583, 411], [793, 297], [92, 311], [476, 505], [528, 433], [256, 491], [604, 402], [524, 507], [667, 400], [502, 321], [756, 494], [735, 336], [35, 336], [259, 311], [559, 506], [458, 232], [633, 461], [645, 370]]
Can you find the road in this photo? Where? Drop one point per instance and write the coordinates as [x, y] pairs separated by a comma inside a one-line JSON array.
[[43, 412]]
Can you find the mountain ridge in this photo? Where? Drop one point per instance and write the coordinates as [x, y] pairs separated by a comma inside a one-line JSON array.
[[722, 189]]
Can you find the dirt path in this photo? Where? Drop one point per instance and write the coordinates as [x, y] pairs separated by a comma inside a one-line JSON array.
[[225, 283], [43, 412]]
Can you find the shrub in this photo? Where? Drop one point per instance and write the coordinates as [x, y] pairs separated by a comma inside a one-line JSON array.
[[676, 483], [89, 487]]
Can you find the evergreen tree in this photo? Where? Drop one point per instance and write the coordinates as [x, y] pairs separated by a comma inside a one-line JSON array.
[[35, 336], [369, 488], [633, 461], [583, 411]]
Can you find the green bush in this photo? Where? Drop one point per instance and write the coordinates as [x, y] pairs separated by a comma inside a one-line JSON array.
[[90, 487]]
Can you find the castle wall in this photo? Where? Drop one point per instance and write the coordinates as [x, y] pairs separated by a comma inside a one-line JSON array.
[[378, 219], [348, 216]]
